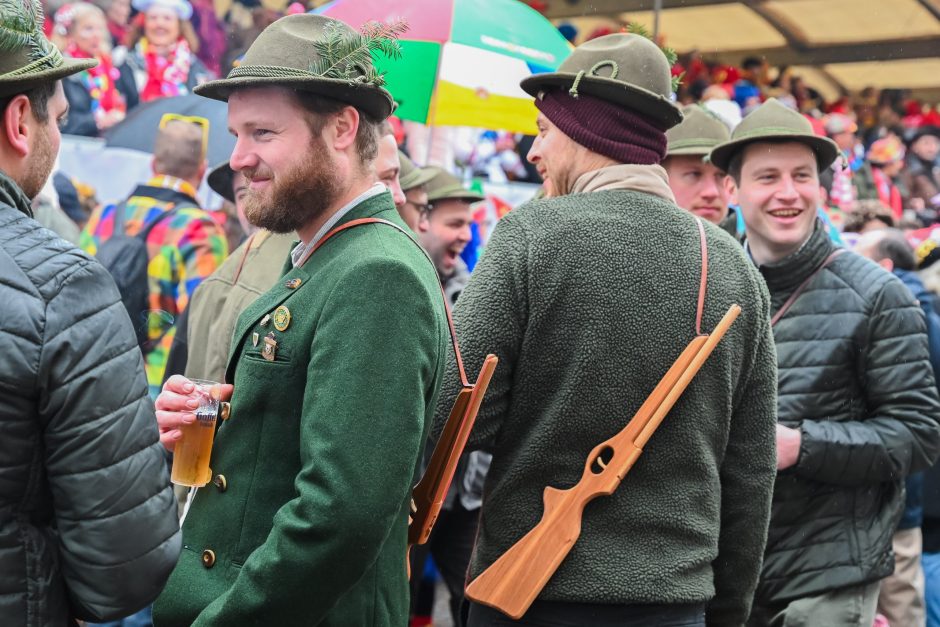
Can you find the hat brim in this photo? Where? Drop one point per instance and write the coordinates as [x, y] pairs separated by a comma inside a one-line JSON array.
[[455, 193], [19, 84], [825, 149], [221, 179], [420, 176], [691, 149], [375, 101], [653, 106]]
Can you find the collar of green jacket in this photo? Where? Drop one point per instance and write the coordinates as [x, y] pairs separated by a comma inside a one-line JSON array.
[[11, 194], [783, 277]]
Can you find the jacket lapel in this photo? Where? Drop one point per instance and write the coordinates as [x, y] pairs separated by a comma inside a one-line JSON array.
[[267, 302]]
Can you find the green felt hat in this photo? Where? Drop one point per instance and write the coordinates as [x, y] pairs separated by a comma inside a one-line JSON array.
[[220, 180], [27, 58], [315, 54], [445, 186], [700, 131], [410, 175], [774, 122], [622, 68]]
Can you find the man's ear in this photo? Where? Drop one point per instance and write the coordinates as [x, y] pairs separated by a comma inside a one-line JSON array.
[[15, 126], [887, 264], [424, 222], [731, 189], [344, 128]]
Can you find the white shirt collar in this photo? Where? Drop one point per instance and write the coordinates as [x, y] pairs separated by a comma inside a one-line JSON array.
[[299, 254]]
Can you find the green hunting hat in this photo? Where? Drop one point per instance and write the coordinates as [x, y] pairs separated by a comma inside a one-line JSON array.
[[445, 186], [221, 180], [27, 58], [625, 69], [410, 175], [308, 53], [700, 131], [774, 122]]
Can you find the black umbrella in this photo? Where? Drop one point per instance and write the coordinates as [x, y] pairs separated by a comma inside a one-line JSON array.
[[139, 129]]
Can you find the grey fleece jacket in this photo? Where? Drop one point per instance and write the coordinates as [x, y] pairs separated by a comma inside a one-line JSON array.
[[587, 300]]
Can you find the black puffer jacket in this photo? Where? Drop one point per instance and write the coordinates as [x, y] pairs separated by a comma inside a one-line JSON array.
[[855, 378], [87, 518]]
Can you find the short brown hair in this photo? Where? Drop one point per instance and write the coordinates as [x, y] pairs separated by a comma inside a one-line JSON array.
[[321, 107], [38, 100], [177, 150]]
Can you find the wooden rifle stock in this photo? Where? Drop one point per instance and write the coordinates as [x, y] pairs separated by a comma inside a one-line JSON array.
[[513, 581], [428, 495]]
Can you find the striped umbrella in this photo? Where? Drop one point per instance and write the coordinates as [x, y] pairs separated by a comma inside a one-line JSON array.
[[462, 60]]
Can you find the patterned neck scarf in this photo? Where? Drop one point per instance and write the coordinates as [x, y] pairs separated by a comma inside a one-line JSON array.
[[99, 81], [166, 76]]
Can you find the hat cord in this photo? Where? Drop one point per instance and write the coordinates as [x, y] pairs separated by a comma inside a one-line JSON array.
[[573, 92], [50, 59]]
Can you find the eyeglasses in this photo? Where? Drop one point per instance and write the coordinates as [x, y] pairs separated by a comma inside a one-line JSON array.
[[422, 209], [199, 121]]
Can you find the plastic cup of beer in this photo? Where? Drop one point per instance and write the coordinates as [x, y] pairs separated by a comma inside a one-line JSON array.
[[192, 452]]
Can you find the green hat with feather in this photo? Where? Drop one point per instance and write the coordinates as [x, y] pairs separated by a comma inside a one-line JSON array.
[[320, 55], [27, 58]]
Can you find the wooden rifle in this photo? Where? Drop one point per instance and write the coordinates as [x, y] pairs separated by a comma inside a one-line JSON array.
[[429, 494], [513, 581]]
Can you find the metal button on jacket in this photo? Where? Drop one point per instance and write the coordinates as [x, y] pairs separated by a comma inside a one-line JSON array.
[[220, 482], [208, 558]]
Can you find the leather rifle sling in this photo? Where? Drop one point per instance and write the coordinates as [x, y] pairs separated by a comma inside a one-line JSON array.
[[802, 286], [703, 245], [450, 321]]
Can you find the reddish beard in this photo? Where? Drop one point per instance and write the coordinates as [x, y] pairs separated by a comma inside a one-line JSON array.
[[297, 196]]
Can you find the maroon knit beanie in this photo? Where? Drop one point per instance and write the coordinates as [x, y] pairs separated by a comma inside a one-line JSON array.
[[605, 128]]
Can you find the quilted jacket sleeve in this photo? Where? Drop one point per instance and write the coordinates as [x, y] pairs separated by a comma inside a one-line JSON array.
[[901, 434], [115, 513]]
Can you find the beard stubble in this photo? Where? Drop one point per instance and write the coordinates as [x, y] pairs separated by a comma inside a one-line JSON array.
[[296, 197]]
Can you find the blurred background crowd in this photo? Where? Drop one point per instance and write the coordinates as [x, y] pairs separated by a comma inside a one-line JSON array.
[[454, 112]]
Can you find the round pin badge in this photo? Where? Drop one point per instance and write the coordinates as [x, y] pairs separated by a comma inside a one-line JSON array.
[[281, 318]]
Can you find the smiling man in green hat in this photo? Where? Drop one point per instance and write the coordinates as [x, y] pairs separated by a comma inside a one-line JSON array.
[[858, 403], [588, 298], [335, 369], [698, 185], [88, 528]]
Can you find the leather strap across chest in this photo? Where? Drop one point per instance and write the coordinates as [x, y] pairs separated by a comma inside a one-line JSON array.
[[802, 286], [450, 322]]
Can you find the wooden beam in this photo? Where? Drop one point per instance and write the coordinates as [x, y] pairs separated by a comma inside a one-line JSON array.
[[611, 8], [925, 47]]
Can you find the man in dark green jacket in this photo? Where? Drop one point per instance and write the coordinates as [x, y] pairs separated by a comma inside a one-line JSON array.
[[587, 299], [858, 404], [335, 369]]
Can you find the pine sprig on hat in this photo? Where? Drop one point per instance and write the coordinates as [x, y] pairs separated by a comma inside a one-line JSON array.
[[21, 26], [349, 56], [635, 28]]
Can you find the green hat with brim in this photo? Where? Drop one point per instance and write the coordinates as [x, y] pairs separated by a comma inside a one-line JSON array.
[[625, 69], [446, 186], [292, 53], [221, 180], [27, 58], [410, 175], [776, 123], [699, 132]]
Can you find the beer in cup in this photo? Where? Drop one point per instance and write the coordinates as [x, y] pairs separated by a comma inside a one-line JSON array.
[[192, 451]]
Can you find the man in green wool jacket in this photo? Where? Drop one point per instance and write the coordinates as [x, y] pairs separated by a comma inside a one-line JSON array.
[[336, 369], [588, 298]]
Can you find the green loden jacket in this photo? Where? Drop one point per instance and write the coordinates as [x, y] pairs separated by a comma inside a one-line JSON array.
[[306, 520]]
